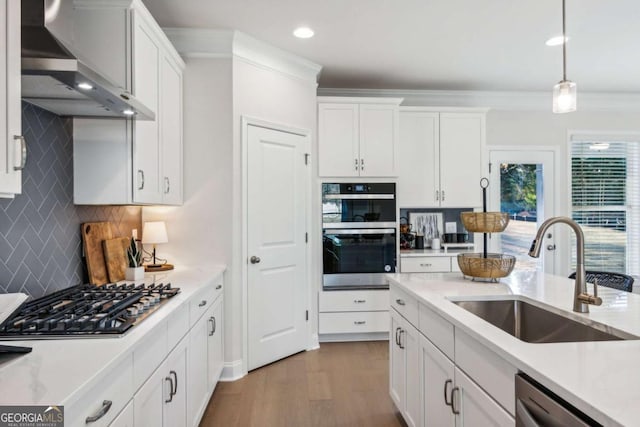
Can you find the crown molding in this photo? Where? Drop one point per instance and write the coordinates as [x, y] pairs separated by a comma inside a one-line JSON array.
[[216, 44], [495, 100]]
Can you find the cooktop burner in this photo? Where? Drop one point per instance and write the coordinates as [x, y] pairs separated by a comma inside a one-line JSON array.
[[86, 311]]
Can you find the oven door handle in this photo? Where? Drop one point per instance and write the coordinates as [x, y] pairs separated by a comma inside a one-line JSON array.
[[360, 231], [367, 196]]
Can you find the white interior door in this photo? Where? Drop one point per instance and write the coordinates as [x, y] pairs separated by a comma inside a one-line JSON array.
[[524, 221], [277, 203]]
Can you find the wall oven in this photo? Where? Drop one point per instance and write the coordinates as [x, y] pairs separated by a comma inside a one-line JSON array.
[[359, 235]]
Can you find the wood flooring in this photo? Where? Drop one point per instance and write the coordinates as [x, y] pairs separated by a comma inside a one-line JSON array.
[[340, 384]]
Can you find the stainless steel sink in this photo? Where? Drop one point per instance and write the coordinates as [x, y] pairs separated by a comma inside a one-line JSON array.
[[534, 324]]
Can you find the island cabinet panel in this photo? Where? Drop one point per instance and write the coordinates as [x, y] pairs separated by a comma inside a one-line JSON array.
[[458, 381]]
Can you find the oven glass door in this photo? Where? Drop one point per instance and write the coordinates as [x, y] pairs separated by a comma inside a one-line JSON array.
[[347, 251], [352, 207]]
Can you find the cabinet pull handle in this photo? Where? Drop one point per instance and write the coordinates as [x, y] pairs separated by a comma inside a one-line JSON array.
[[215, 324], [437, 195], [167, 185], [106, 405], [170, 389], [453, 401], [213, 327], [175, 376], [443, 195], [356, 164], [425, 265], [402, 331], [359, 301], [218, 287], [446, 386], [400, 302], [397, 340], [23, 152], [141, 175], [361, 164], [202, 303], [359, 322]]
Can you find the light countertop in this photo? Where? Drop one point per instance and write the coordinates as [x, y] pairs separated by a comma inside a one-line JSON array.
[[601, 378], [56, 370]]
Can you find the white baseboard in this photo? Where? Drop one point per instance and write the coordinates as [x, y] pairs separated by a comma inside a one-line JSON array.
[[374, 336], [232, 371]]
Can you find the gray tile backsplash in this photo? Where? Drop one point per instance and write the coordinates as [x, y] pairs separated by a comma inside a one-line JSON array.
[[40, 243]]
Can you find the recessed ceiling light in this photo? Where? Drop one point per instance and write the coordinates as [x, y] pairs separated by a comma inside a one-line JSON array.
[[303, 32], [128, 112], [85, 86], [556, 41]]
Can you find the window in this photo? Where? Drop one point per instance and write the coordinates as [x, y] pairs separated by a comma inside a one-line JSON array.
[[605, 201]]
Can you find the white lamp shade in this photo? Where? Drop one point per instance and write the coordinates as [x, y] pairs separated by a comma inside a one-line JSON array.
[[564, 97], [154, 232]]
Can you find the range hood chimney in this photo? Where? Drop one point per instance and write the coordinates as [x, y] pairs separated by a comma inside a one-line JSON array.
[[55, 79]]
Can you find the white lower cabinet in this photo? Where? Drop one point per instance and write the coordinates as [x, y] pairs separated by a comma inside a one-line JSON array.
[[205, 360], [476, 408], [405, 367], [431, 387], [436, 384], [353, 312], [162, 400]]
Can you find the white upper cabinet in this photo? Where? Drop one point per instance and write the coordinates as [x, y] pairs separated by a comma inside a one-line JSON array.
[[441, 158], [144, 156], [357, 136], [13, 146]]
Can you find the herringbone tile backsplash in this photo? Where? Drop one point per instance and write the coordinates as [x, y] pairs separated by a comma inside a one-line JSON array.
[[40, 242]]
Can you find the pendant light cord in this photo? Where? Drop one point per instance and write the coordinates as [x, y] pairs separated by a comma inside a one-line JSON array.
[[564, 44]]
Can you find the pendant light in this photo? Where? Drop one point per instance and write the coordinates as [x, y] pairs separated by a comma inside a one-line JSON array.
[[565, 92]]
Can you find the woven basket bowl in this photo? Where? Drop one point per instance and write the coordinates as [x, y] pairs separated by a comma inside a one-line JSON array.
[[492, 267], [485, 222]]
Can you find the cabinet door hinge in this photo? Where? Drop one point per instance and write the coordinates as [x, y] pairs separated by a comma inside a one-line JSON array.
[[306, 237], [307, 315], [306, 158]]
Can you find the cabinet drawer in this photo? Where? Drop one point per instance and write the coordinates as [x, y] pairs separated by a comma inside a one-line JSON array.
[[125, 418], [354, 301], [201, 302], [115, 387], [496, 375], [454, 265], [354, 322], [438, 330], [405, 304], [432, 264]]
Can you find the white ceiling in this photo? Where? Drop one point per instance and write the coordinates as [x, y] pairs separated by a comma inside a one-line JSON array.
[[438, 44]]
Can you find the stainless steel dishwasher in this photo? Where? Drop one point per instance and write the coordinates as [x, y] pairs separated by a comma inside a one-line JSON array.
[[539, 407]]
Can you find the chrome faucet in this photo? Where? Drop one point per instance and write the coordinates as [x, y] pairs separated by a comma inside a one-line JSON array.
[[581, 298]]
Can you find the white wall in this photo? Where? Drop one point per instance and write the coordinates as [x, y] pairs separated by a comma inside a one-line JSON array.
[[207, 229]]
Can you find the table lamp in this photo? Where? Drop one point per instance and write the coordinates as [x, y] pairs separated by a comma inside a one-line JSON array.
[[154, 232]]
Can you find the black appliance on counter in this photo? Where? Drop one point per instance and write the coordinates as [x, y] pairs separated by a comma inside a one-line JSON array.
[[86, 311], [359, 235]]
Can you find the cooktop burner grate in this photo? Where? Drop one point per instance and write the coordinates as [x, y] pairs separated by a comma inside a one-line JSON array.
[[86, 310]]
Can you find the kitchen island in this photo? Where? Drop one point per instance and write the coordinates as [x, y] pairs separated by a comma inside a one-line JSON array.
[[601, 379], [106, 378]]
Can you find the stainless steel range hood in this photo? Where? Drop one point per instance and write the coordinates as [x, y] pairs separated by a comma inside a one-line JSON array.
[[55, 79]]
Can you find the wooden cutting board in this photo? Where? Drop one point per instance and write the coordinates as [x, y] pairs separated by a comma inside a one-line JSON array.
[[115, 257], [93, 233]]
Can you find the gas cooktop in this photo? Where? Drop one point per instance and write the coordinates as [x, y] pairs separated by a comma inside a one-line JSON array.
[[86, 311]]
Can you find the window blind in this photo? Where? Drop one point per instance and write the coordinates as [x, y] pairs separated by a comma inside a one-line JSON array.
[[605, 199]]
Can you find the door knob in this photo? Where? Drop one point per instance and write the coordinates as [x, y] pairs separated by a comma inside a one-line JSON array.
[[254, 259], [551, 247]]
